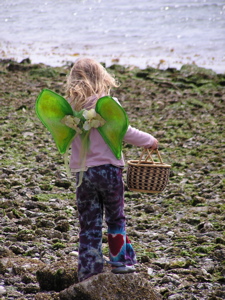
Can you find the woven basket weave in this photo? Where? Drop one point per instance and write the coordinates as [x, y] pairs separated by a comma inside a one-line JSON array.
[[146, 175]]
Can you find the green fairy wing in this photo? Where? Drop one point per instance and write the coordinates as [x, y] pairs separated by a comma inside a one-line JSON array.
[[116, 125], [51, 108]]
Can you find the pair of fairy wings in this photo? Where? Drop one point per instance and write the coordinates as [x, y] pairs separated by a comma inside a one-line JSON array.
[[51, 108]]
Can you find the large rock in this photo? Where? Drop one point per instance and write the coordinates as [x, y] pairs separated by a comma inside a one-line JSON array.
[[191, 69], [57, 276], [108, 286]]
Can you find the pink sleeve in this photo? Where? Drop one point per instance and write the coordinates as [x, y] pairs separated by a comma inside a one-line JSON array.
[[138, 138]]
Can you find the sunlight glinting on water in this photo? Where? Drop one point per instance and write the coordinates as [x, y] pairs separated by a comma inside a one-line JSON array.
[[133, 32]]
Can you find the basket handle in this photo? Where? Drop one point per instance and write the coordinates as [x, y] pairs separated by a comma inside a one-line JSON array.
[[149, 156]]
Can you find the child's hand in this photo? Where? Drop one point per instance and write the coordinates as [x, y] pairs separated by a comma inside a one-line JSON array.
[[154, 145]]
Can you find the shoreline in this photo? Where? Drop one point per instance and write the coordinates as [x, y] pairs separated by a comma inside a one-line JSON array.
[[161, 62]]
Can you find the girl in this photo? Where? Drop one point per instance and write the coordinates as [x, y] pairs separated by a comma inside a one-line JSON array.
[[102, 185]]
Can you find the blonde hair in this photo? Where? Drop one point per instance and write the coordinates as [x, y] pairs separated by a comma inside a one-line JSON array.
[[87, 78]]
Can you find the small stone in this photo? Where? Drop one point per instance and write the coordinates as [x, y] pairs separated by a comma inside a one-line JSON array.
[[5, 252], [149, 209], [62, 226], [31, 288], [2, 290], [175, 297], [170, 233], [150, 271], [63, 183], [74, 253]]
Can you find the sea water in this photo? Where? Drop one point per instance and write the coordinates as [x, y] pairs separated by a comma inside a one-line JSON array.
[[143, 33]]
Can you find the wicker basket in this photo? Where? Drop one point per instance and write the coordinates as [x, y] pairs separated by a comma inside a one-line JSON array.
[[146, 175]]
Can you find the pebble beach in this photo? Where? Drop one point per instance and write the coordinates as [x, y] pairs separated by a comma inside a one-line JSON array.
[[178, 234]]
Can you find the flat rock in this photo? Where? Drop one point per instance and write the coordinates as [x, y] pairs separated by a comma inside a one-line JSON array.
[[108, 286]]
